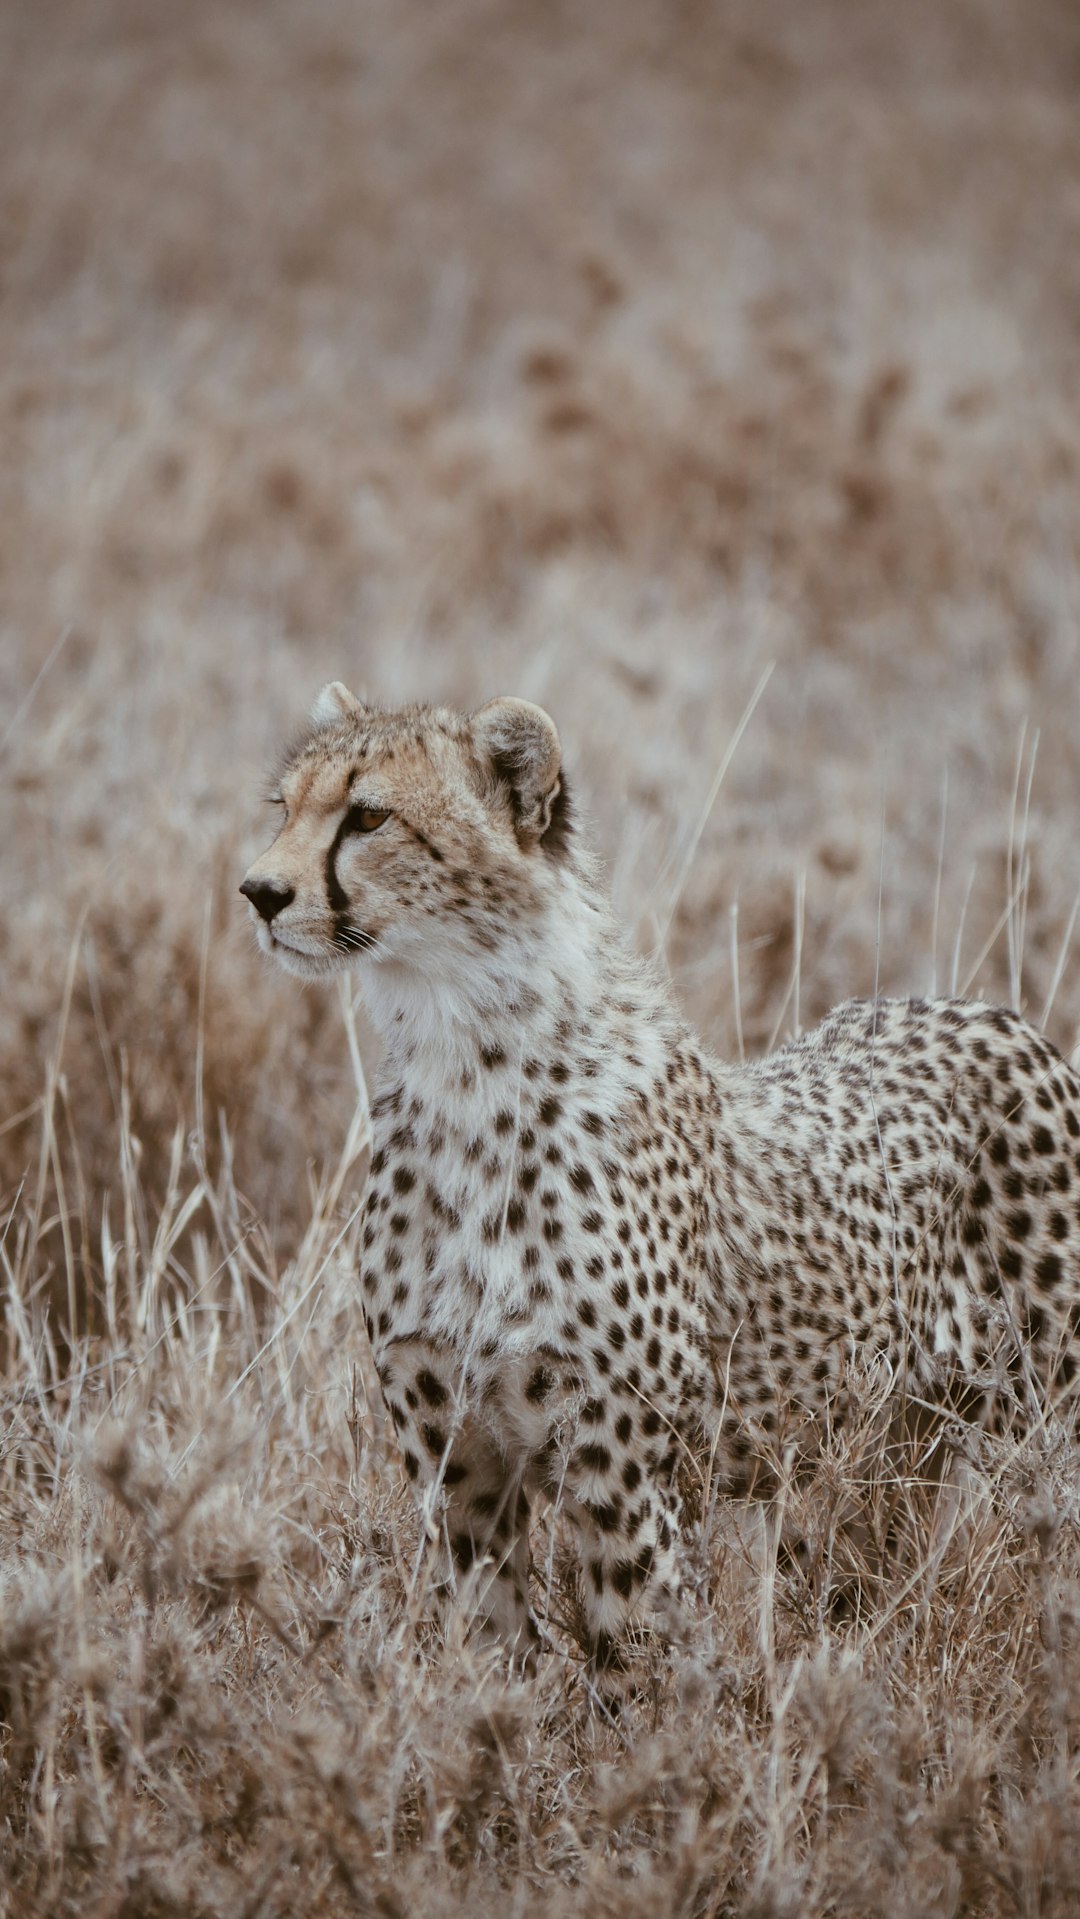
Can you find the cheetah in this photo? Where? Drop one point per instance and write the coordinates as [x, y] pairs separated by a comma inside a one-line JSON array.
[[589, 1250]]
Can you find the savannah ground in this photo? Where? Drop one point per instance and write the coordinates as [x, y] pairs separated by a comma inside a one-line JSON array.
[[605, 356]]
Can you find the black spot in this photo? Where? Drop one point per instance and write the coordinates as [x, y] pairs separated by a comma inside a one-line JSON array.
[[624, 1426], [412, 1465], [434, 1439], [433, 1390], [581, 1178], [607, 1517], [1048, 1272], [404, 1180], [539, 1386], [1042, 1140], [549, 1111], [492, 1056], [593, 1458], [1018, 1225]]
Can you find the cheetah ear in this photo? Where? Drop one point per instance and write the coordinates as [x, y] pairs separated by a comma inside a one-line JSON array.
[[519, 744], [335, 704]]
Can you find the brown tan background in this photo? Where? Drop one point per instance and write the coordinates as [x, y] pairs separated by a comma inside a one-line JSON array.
[[605, 354], [602, 354]]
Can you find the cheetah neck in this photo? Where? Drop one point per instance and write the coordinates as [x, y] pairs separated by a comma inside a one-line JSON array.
[[566, 990]]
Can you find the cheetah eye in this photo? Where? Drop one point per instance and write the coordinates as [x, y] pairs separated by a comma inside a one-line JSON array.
[[367, 819]]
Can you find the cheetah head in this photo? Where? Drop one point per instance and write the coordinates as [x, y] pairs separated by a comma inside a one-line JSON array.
[[418, 840]]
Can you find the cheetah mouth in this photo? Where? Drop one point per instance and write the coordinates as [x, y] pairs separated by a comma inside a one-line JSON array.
[[315, 958], [280, 945], [306, 960]]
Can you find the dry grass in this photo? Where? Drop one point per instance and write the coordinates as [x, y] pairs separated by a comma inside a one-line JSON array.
[[604, 356], [222, 1696]]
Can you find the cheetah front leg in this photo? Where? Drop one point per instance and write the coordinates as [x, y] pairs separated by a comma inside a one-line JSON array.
[[482, 1506], [628, 1520]]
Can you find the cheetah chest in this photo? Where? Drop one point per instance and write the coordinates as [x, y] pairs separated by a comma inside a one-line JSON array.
[[463, 1244], [500, 1251]]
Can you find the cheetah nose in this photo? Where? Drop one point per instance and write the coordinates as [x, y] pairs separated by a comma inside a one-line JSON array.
[[268, 896]]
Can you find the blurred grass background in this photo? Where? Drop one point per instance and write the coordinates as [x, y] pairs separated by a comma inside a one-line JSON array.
[[602, 355], [608, 356]]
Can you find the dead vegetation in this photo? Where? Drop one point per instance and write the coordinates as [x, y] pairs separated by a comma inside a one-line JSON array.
[[605, 356], [221, 1692]]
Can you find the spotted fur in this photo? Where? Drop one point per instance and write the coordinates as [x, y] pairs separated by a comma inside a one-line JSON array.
[[590, 1251]]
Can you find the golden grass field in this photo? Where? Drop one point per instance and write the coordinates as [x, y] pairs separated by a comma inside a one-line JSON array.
[[608, 356]]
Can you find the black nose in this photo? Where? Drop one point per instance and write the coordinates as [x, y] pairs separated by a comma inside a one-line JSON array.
[[268, 896]]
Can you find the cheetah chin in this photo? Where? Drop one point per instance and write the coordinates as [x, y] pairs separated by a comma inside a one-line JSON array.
[[591, 1252]]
